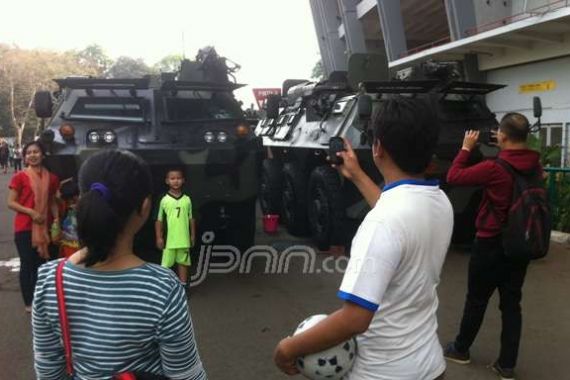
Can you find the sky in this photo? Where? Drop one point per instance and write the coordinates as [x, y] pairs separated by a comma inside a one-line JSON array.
[[272, 40]]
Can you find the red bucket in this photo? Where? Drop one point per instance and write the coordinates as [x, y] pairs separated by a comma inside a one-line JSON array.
[[270, 223]]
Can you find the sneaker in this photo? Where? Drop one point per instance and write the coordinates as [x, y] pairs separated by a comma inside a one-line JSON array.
[[451, 353], [504, 373]]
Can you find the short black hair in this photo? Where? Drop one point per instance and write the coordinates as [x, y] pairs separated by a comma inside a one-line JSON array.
[[175, 169], [408, 130], [515, 126]]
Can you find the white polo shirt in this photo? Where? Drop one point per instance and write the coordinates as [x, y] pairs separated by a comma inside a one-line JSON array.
[[394, 269]]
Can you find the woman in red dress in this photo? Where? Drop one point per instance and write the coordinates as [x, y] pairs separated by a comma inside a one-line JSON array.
[[32, 195]]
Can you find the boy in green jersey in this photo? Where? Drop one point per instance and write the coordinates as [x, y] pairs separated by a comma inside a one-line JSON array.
[[175, 216]]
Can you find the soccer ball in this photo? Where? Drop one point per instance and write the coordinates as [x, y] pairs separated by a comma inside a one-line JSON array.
[[330, 364]]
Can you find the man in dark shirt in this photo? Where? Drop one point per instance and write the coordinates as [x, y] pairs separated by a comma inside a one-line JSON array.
[[489, 268]]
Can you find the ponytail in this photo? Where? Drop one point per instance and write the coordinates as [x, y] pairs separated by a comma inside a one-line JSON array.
[[113, 185], [98, 225]]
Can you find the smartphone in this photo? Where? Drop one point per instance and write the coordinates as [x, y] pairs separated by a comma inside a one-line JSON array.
[[493, 136], [336, 144]]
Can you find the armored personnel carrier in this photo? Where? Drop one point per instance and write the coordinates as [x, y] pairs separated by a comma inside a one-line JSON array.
[[189, 120], [298, 183]]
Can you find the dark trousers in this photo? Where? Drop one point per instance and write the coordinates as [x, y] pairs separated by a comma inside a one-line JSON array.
[[30, 261], [17, 164], [490, 269]]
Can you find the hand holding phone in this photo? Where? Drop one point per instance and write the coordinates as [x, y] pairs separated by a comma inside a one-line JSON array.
[[336, 144]]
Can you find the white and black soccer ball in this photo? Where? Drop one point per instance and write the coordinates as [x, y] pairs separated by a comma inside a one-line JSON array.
[[331, 364]]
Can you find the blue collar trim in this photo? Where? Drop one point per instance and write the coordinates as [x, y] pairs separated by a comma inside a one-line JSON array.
[[419, 182]]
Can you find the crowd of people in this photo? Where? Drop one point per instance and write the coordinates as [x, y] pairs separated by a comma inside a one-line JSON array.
[[125, 315], [10, 156]]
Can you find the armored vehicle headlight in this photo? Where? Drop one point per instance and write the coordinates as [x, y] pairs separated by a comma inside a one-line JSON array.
[[109, 137], [209, 137], [222, 137], [94, 137]]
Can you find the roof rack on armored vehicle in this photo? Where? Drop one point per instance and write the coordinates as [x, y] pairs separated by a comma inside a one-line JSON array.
[[470, 88], [399, 87], [200, 86], [425, 86], [102, 83]]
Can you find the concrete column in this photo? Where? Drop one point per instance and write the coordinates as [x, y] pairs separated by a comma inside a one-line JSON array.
[[461, 18], [392, 24], [333, 49], [353, 34]]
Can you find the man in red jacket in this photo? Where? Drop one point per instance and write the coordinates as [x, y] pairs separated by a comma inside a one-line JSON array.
[[489, 268]]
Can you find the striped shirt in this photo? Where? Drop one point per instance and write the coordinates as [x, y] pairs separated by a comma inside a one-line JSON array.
[[130, 320]]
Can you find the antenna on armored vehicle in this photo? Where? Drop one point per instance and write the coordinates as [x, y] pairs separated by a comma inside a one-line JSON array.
[[183, 47]]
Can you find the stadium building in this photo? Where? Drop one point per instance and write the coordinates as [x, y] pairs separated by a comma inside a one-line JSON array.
[[524, 44]]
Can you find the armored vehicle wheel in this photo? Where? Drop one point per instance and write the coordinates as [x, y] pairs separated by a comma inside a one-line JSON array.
[[325, 207], [271, 187], [43, 104], [243, 228], [294, 200]]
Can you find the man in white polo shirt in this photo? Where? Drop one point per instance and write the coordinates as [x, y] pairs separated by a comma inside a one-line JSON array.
[[389, 288]]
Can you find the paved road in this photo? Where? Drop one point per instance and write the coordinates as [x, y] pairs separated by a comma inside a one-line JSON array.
[[240, 317]]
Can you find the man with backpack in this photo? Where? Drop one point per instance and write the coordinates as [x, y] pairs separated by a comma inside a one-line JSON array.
[[513, 227]]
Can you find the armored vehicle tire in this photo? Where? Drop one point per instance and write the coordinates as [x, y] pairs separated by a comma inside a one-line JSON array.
[[294, 200], [43, 104], [326, 211], [271, 187]]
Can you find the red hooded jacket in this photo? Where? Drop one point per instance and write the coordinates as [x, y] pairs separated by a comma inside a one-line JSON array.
[[497, 184]]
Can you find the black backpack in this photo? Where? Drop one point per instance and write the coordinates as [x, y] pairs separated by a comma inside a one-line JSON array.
[[526, 235]]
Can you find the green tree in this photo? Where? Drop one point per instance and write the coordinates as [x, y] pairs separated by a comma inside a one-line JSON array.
[[94, 58], [23, 73], [168, 64], [318, 72], [127, 67]]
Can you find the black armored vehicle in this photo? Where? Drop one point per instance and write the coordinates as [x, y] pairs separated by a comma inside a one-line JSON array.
[[312, 199], [189, 120]]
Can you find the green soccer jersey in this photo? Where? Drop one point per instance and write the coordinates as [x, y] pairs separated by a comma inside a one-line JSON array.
[[175, 214]]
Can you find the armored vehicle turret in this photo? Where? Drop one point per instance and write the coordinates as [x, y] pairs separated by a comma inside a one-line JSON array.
[[189, 120], [298, 183]]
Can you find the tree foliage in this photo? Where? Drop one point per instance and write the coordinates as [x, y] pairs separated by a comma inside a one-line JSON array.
[[23, 72], [127, 67], [318, 72], [94, 58], [168, 64]]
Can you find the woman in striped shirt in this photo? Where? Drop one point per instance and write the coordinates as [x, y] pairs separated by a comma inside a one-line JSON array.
[[124, 314]]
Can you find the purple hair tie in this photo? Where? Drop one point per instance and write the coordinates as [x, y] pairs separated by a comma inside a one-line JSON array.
[[103, 190]]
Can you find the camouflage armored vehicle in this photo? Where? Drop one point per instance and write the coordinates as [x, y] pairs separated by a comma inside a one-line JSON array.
[[298, 183], [188, 119]]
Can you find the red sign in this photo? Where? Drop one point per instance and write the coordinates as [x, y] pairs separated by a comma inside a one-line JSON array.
[[261, 94]]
